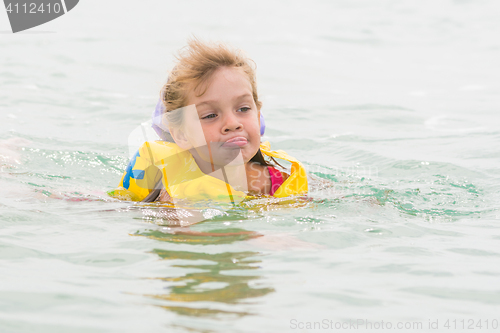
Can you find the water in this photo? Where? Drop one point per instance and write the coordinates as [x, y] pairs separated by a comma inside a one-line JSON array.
[[395, 102]]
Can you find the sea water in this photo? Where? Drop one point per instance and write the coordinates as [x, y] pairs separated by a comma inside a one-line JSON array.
[[396, 103]]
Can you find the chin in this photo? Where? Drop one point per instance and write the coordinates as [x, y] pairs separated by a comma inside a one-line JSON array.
[[228, 157]]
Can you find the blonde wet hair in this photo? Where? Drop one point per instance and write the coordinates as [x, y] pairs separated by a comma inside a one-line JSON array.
[[196, 63]]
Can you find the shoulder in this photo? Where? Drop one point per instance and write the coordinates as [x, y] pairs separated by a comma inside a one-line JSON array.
[[274, 171], [156, 150], [284, 175]]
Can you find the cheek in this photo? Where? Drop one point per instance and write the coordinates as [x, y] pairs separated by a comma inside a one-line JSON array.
[[255, 129], [208, 133], [196, 137]]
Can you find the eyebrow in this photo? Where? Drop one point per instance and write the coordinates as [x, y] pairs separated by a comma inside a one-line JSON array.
[[215, 101]]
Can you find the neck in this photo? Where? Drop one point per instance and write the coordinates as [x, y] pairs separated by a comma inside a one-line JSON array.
[[258, 179], [250, 177]]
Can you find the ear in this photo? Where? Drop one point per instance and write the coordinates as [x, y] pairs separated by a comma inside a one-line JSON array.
[[180, 138]]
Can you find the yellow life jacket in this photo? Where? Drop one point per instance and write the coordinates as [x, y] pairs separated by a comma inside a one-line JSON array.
[[182, 178]]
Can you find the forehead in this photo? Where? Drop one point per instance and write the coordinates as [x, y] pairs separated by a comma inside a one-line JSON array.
[[224, 82]]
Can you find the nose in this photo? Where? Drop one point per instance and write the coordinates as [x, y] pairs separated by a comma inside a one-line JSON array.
[[231, 123]]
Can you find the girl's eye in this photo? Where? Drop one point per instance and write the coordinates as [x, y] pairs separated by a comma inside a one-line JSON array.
[[244, 109], [212, 115]]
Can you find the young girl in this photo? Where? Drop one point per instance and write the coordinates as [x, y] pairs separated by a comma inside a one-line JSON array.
[[211, 126]]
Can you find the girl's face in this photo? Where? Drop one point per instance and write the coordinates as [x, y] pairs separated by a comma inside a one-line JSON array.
[[228, 116]]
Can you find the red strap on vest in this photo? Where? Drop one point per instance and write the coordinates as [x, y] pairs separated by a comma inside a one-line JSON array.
[[276, 179]]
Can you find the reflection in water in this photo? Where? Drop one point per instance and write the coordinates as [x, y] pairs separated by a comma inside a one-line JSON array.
[[214, 283], [179, 235]]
